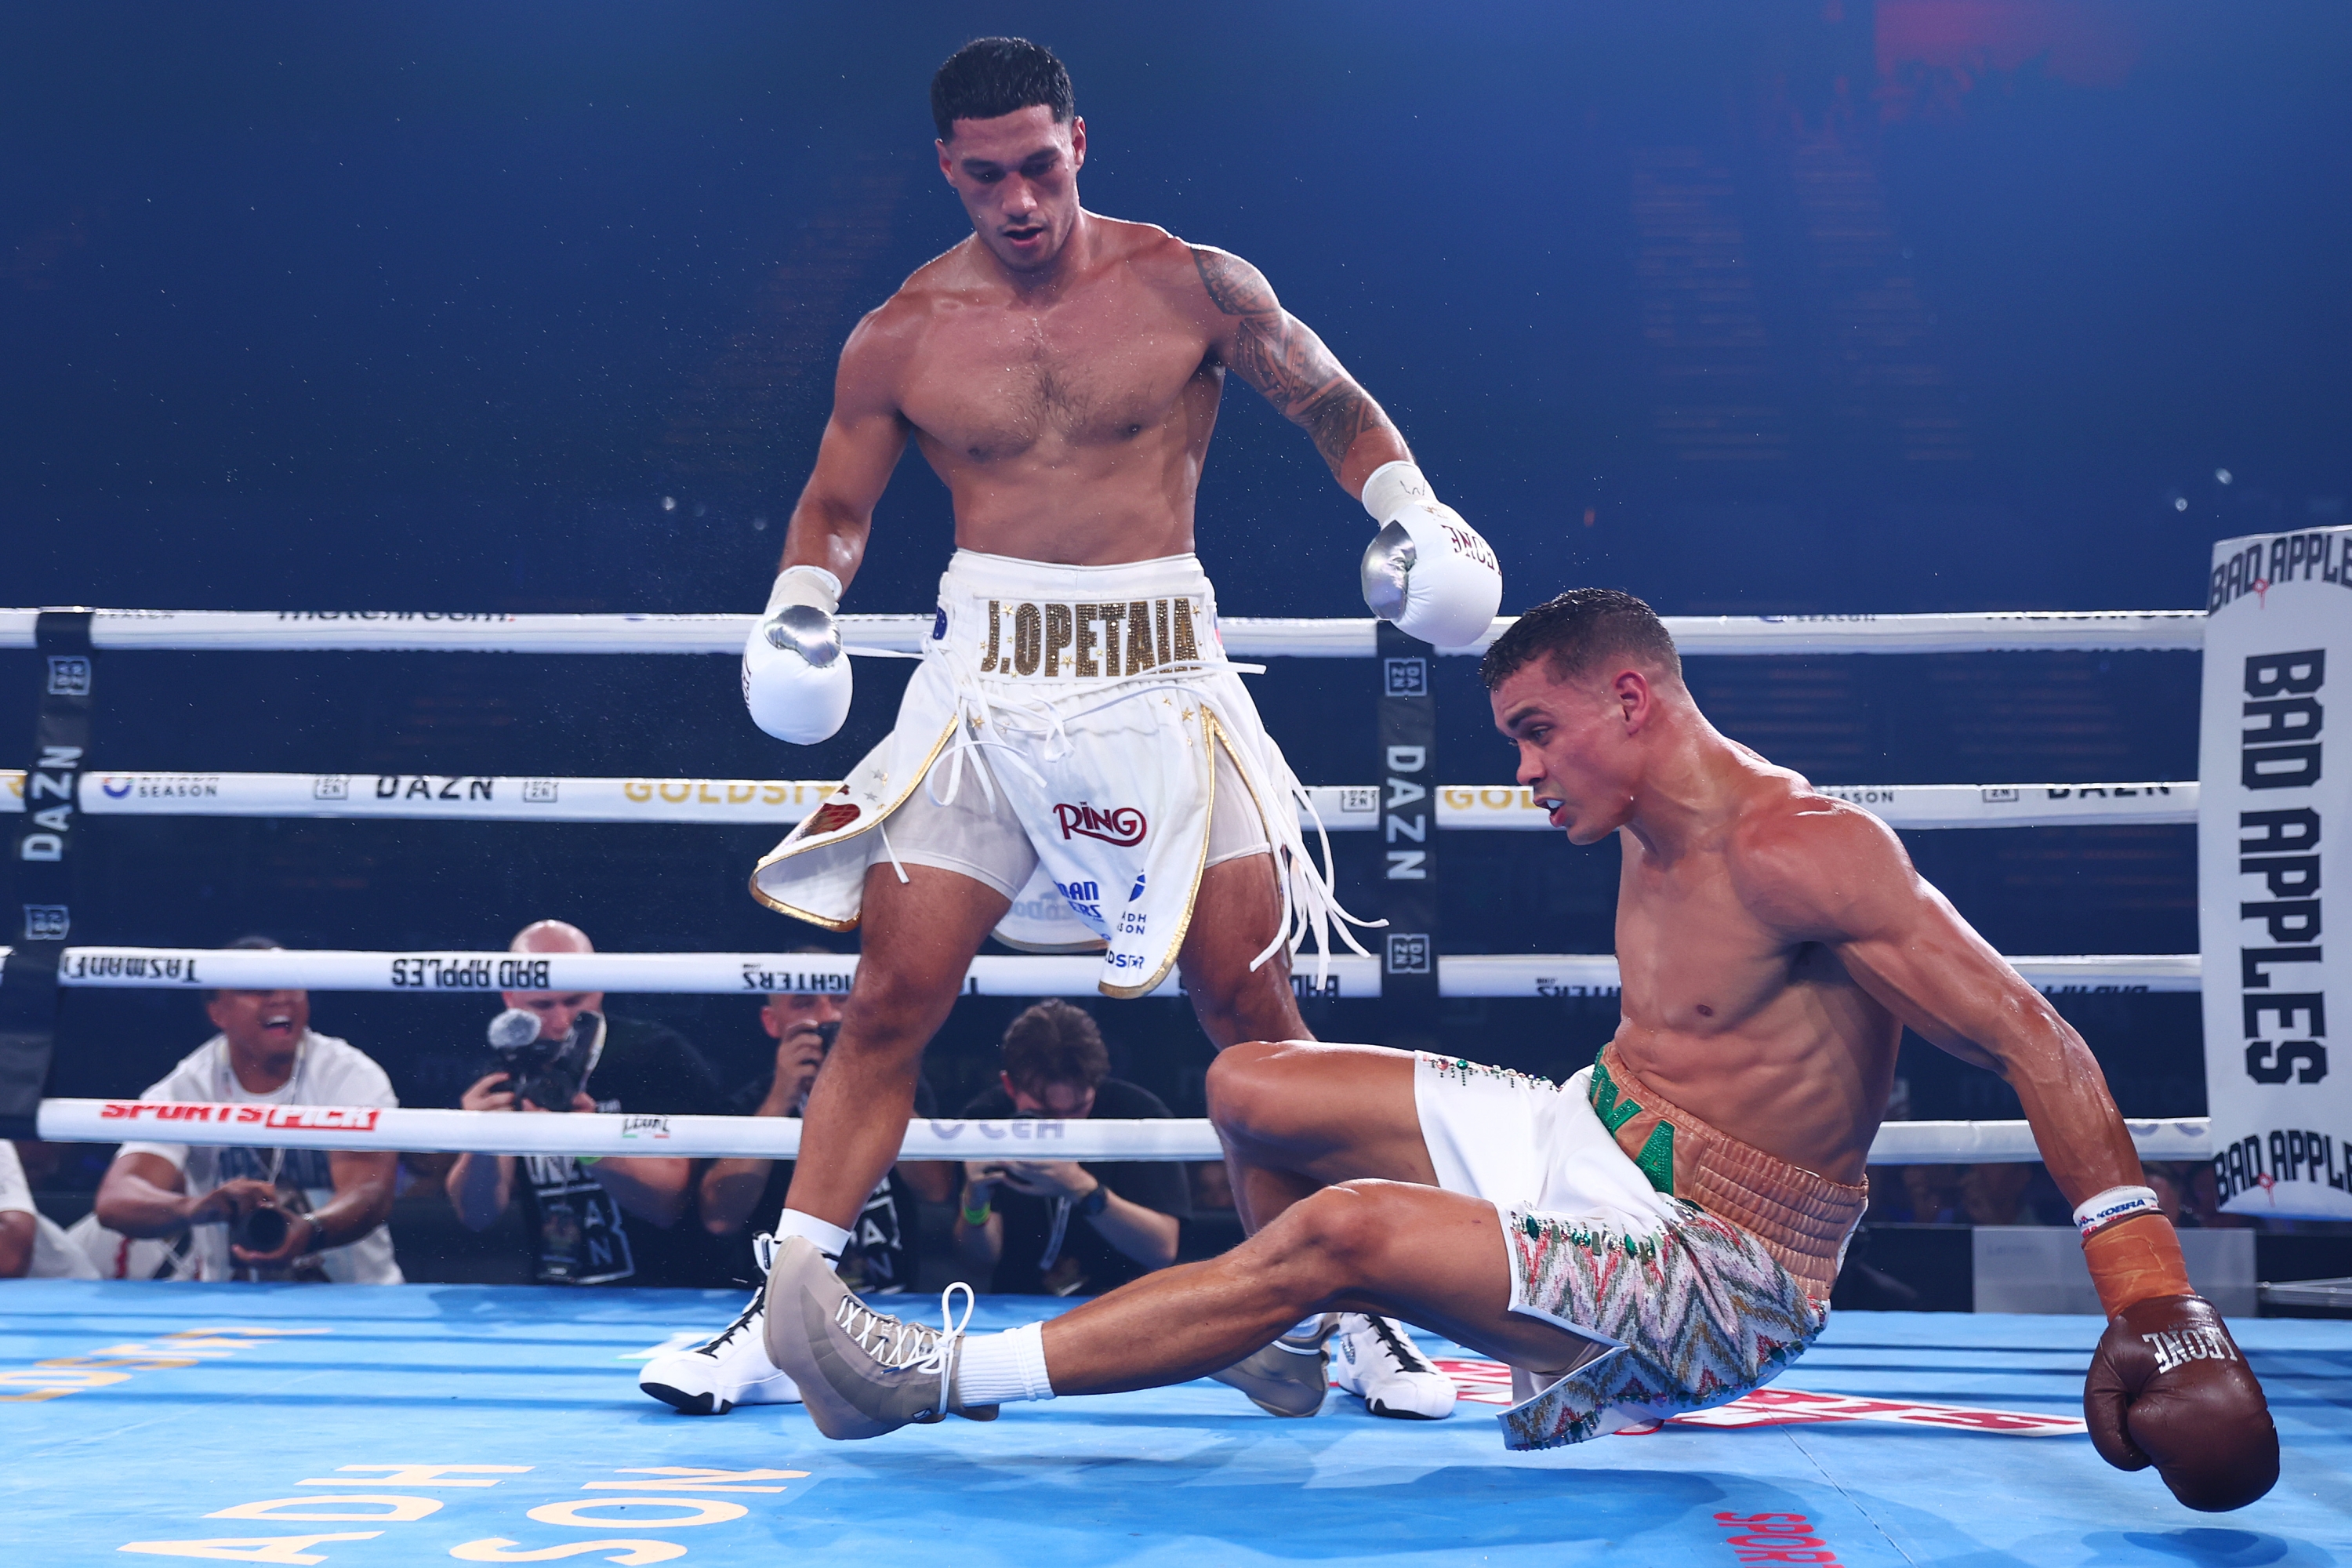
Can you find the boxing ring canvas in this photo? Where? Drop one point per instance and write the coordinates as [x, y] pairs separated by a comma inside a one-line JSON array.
[[369, 1426]]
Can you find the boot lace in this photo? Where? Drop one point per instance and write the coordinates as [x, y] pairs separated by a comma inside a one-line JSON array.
[[901, 1346], [743, 1321], [1401, 1351]]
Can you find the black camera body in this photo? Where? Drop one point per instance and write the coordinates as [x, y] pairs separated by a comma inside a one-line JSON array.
[[548, 1073]]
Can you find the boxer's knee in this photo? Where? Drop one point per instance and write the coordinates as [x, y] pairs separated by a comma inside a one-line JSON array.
[[1341, 1234], [1250, 1093], [891, 1013]]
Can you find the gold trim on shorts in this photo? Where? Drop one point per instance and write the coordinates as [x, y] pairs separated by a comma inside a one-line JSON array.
[[1212, 736], [788, 849]]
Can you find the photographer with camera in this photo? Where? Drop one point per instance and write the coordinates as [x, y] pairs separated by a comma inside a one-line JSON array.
[[263, 1214], [1059, 1228], [743, 1196], [587, 1221]]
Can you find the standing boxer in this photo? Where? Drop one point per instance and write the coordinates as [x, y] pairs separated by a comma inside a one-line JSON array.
[[1075, 765]]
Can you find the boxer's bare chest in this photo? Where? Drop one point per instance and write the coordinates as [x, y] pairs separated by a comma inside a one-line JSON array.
[[1107, 366], [1692, 957], [1766, 1036]]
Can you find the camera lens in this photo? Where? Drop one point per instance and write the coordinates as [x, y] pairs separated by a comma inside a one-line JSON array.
[[264, 1230]]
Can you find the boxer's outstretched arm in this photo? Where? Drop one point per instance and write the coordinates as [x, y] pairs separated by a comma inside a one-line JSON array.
[[1834, 874], [862, 444], [1280, 355]]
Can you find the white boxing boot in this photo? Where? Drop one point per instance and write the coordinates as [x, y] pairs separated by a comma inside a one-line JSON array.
[[1377, 1359], [730, 1370]]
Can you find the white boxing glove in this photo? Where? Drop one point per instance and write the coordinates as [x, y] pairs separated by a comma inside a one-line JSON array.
[[795, 675], [1427, 570]]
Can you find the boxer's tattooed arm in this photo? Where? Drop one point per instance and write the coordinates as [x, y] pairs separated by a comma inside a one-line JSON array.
[[1278, 354]]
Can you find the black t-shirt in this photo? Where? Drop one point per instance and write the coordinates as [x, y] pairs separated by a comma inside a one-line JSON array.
[[1087, 1264], [578, 1234], [881, 1257]]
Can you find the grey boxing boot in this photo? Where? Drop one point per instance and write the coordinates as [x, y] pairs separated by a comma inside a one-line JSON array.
[[1290, 1376], [861, 1372]]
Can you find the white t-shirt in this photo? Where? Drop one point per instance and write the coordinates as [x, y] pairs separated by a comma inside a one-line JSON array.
[[54, 1256], [327, 1071]]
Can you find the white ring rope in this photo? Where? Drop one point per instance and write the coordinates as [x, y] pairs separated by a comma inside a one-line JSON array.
[[1558, 974], [627, 800], [466, 797], [1244, 636], [779, 1137]]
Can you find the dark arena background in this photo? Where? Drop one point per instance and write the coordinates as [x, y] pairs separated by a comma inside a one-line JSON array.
[[1803, 308]]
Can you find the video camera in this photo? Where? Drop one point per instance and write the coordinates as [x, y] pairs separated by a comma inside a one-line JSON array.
[[548, 1073]]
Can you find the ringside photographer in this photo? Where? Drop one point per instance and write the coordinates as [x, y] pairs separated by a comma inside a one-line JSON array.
[[262, 1214], [619, 1220], [1061, 1227]]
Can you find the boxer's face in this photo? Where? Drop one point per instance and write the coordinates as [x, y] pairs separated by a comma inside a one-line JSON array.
[[1576, 744], [1018, 177]]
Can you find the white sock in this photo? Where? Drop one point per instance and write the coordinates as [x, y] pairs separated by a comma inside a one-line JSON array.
[[996, 1369], [829, 1239]]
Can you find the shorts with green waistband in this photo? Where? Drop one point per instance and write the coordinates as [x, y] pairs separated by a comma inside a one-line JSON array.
[[1679, 1309]]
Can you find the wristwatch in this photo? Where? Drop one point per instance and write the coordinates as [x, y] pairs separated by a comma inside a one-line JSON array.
[[1094, 1202]]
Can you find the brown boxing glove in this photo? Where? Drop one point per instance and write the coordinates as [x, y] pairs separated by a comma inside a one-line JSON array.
[[2167, 1386]]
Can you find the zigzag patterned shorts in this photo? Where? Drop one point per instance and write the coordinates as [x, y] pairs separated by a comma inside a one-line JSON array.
[[1691, 1311], [1700, 1313]]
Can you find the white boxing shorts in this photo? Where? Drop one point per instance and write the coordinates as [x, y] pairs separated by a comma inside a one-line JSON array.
[[1684, 1308], [1076, 740]]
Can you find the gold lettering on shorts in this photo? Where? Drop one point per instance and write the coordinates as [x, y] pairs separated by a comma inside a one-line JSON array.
[[1187, 651], [1057, 637], [1085, 664], [1159, 609], [1025, 639], [1139, 638], [987, 659], [1111, 615]]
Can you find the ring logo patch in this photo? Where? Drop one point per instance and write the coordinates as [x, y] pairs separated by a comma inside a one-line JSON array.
[[1123, 825]]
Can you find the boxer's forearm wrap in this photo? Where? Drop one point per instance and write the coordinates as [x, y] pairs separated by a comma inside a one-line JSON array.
[[2113, 1206], [2136, 1259], [812, 585], [1389, 488]]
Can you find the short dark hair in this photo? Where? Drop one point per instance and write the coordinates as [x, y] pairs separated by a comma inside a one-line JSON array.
[[992, 77], [250, 944], [1579, 629], [1054, 1043]]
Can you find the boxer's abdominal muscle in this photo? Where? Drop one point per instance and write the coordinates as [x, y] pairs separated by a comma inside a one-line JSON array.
[[1770, 1041]]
